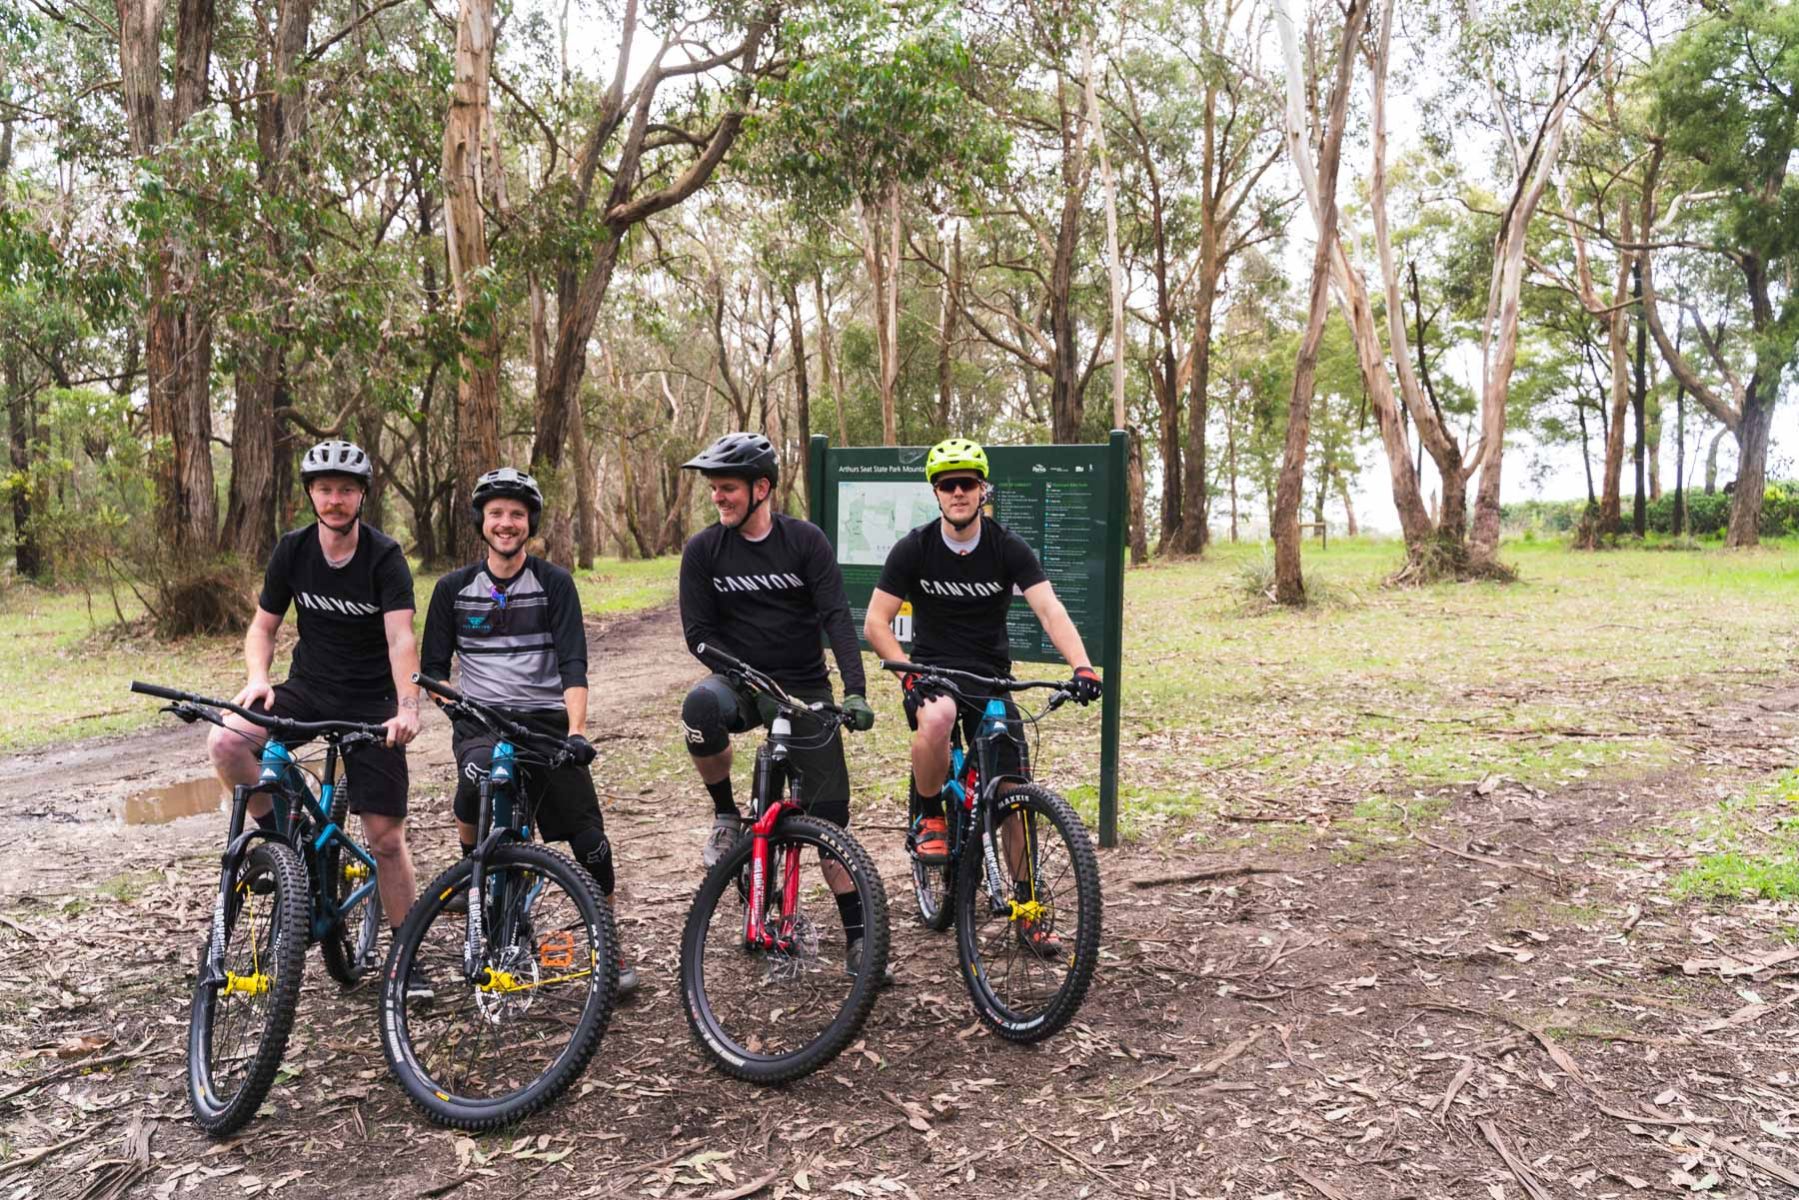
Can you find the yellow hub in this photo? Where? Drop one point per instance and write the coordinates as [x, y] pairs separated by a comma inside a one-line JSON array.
[[244, 985], [501, 981], [1029, 911], [355, 872]]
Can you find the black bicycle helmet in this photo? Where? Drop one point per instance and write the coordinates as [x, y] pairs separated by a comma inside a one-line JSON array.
[[336, 458], [747, 455], [512, 484]]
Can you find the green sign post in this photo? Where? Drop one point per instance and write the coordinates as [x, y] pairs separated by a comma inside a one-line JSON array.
[[1066, 502]]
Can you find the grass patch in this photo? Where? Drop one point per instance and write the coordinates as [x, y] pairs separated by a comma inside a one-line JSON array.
[[1752, 847], [64, 668]]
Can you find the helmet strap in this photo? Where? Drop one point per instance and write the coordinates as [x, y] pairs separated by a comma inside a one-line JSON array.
[[980, 506], [340, 530]]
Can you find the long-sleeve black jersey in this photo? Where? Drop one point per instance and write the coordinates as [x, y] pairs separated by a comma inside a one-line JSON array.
[[767, 602]]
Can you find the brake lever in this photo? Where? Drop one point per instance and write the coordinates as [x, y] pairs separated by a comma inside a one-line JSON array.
[[182, 709]]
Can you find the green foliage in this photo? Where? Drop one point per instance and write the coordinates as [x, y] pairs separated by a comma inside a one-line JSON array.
[[878, 98], [1751, 845]]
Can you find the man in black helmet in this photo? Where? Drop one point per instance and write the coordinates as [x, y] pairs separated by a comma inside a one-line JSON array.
[[762, 586], [514, 621], [354, 661]]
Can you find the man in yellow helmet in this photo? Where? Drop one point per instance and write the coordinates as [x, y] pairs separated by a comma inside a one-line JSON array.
[[960, 572]]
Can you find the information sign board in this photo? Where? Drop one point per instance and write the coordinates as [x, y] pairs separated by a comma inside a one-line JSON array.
[[1066, 502]]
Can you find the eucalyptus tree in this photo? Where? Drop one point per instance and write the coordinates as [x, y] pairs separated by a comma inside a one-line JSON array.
[[1724, 97]]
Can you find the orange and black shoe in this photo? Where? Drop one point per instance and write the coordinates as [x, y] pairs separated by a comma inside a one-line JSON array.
[[930, 841]]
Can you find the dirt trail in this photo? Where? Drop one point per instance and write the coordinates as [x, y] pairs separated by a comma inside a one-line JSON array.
[[1518, 1002]]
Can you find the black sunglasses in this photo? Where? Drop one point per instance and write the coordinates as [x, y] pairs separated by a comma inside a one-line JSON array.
[[959, 484]]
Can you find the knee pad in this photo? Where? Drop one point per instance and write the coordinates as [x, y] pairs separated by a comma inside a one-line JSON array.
[[593, 850], [467, 801], [704, 720]]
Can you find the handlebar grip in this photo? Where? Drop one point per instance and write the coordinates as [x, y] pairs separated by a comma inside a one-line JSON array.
[[437, 687], [152, 689], [900, 664]]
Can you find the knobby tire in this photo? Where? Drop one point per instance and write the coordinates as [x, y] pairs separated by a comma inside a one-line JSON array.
[[721, 886], [475, 1114], [284, 912], [1003, 1014]]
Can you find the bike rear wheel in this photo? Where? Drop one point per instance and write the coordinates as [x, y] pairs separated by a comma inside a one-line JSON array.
[[484, 1053], [769, 1016], [238, 1027], [1029, 958], [349, 948]]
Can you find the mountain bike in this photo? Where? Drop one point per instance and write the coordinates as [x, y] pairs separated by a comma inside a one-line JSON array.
[[520, 948], [280, 890], [766, 979], [1022, 879]]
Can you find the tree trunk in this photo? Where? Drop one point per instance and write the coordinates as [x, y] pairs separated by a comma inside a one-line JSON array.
[[946, 330], [1638, 402], [249, 531], [586, 512], [1752, 461], [465, 238], [1289, 585], [178, 336], [1191, 538], [1134, 485], [882, 261], [802, 385], [1711, 463], [1168, 404], [1611, 500], [1349, 522], [1680, 459], [21, 418]]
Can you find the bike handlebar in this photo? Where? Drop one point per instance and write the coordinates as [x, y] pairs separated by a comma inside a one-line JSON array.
[[269, 721], [457, 704], [766, 685]]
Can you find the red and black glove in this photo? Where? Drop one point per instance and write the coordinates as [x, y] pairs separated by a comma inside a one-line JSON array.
[[1085, 686]]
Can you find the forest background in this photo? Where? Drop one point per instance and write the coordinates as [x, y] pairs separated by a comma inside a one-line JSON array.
[[585, 238]]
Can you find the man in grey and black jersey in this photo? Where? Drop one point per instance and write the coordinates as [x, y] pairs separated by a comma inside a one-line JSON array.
[[514, 622], [765, 588]]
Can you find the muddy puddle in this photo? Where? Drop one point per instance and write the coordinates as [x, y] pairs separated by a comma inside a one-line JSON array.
[[160, 805]]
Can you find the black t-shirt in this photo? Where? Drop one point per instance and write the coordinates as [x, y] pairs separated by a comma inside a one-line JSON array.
[[959, 601], [767, 602], [343, 637]]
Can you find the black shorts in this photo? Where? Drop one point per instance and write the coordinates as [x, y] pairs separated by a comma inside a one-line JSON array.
[[376, 775], [1010, 755], [559, 803], [824, 776]]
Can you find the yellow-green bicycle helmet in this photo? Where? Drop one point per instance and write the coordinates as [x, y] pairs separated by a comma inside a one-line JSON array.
[[955, 454]]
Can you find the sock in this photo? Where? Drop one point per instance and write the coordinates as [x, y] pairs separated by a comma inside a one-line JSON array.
[[930, 806], [468, 848], [849, 907], [266, 821], [722, 802]]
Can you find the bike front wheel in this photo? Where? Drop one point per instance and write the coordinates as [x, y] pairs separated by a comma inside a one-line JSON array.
[[349, 947], [1029, 949], [476, 1053], [769, 1015], [239, 1022]]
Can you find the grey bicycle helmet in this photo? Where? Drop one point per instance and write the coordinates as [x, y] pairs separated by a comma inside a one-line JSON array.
[[336, 458], [512, 484], [748, 455]]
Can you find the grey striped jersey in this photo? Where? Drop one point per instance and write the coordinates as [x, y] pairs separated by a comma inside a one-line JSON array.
[[520, 641]]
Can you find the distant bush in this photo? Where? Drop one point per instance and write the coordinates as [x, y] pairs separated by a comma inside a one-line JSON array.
[[1709, 516], [1538, 517]]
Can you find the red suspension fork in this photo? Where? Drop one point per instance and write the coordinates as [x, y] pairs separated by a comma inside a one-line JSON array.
[[755, 931]]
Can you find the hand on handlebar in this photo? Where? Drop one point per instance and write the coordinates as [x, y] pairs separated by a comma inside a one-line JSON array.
[[1085, 687], [402, 727], [580, 750], [253, 691], [862, 717]]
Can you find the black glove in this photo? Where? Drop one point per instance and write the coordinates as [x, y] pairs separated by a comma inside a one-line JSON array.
[[915, 696], [1085, 686], [580, 750], [862, 717]]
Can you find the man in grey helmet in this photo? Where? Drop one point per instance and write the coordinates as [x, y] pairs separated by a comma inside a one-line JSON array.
[[352, 591], [514, 621]]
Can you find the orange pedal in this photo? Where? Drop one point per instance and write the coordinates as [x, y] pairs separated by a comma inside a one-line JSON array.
[[557, 950]]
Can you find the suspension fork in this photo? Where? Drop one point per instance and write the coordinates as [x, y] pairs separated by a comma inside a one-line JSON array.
[[771, 806]]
